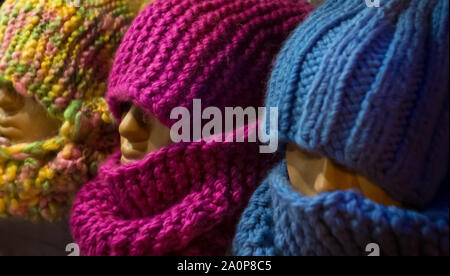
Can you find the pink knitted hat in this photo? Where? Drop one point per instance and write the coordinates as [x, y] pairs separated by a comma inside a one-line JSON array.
[[184, 199], [219, 51]]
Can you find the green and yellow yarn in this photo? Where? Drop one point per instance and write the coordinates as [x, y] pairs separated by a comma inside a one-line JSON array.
[[61, 56], [57, 52]]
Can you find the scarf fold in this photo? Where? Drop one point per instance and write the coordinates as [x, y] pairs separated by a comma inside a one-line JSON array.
[[39, 180], [280, 221], [184, 199]]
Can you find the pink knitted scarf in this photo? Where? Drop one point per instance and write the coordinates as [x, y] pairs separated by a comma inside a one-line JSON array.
[[186, 198], [177, 201]]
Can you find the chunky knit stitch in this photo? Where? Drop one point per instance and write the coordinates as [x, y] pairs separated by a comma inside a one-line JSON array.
[[178, 51], [280, 221], [181, 200], [185, 198], [61, 56], [58, 53], [368, 88]]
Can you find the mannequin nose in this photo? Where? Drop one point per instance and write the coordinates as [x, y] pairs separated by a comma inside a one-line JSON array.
[[133, 130]]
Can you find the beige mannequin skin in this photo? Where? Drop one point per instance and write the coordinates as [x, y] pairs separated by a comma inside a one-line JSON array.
[[23, 119], [141, 134], [311, 174]]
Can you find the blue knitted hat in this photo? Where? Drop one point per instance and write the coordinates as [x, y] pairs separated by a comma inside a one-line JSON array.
[[368, 88]]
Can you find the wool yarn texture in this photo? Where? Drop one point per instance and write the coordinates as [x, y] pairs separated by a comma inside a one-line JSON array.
[[185, 199], [59, 55], [280, 221], [368, 89]]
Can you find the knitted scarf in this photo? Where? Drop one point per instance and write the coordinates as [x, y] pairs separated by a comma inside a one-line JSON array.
[[60, 55], [280, 221], [184, 199], [39, 180]]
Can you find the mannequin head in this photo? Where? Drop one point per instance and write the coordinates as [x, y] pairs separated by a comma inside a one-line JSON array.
[[155, 88], [311, 174], [138, 5], [55, 128], [350, 106], [23, 119], [185, 195], [141, 134]]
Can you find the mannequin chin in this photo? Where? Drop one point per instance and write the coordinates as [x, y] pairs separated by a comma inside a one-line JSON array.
[[141, 134], [311, 174], [23, 119]]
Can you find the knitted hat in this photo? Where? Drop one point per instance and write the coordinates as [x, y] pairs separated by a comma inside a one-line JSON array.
[[185, 198], [218, 51], [60, 55], [368, 88]]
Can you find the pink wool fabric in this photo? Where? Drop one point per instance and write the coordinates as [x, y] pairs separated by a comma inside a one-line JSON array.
[[186, 198], [218, 51]]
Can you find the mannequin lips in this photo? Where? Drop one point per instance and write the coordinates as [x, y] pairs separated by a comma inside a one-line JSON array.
[[133, 151], [7, 129], [9, 132]]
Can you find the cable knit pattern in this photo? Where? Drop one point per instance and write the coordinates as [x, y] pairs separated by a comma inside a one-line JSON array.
[[61, 56], [368, 88], [216, 51], [184, 199], [280, 221]]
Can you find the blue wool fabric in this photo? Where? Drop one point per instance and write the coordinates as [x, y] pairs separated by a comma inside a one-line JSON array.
[[280, 221], [369, 89]]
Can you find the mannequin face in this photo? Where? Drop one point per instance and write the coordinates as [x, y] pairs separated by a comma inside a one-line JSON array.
[[141, 134], [22, 119], [311, 174]]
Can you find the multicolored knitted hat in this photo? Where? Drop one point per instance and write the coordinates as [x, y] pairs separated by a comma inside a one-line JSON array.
[[368, 88], [185, 198], [60, 55]]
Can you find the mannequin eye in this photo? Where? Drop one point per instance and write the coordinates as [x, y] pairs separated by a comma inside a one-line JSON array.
[[142, 118], [124, 109], [343, 168], [10, 101]]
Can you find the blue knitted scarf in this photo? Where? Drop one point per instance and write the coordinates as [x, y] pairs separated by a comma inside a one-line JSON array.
[[280, 221]]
